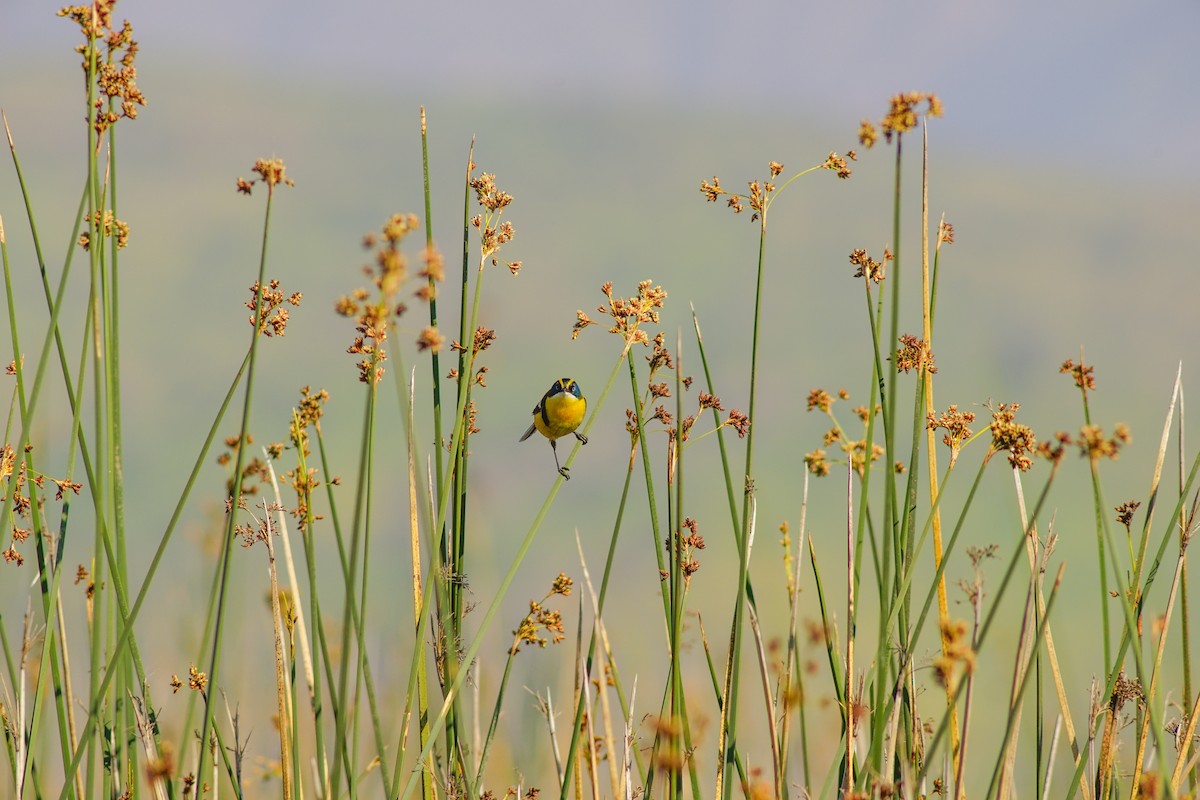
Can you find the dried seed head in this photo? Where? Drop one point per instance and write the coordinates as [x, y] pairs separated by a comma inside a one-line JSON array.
[[1017, 439], [1084, 376]]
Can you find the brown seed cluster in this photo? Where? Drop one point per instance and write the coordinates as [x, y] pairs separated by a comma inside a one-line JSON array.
[[687, 541], [270, 171], [115, 72], [736, 420], [1125, 512], [759, 193], [1126, 690], [1095, 445], [903, 115], [107, 226], [1084, 375], [493, 234], [375, 316], [836, 164], [541, 620], [272, 316], [858, 453], [868, 267], [307, 414], [945, 233], [957, 426], [819, 399], [254, 471], [1056, 448], [915, 354], [197, 680], [1008, 435], [628, 314], [757, 196], [161, 767], [261, 528], [957, 658], [482, 340], [25, 485]]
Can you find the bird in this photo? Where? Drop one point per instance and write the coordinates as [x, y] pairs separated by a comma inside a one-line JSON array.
[[557, 414]]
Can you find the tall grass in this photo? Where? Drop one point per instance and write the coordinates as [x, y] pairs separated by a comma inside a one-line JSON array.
[[735, 706]]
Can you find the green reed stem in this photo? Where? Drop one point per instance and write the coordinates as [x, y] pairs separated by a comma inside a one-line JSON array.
[[316, 635], [716, 415], [352, 622], [576, 727], [677, 589], [1029, 670], [729, 712], [454, 685], [231, 517], [420, 503], [435, 358], [363, 520], [340, 709], [990, 619]]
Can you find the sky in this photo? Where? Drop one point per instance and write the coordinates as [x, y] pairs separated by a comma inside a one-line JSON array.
[[1106, 85]]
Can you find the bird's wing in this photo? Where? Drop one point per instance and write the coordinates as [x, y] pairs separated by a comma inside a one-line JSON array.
[[528, 433]]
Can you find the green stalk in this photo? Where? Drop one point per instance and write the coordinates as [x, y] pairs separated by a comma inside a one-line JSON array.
[[435, 360], [656, 536], [418, 687], [50, 596], [317, 643], [1024, 684], [1185, 627], [892, 513], [214, 663], [352, 613], [416, 668], [676, 518], [716, 687], [495, 719], [453, 541], [340, 709], [658, 544], [1099, 518], [1009, 571], [427, 789], [363, 667], [9, 747], [1131, 628], [99, 487], [55, 304], [729, 712], [827, 625], [725, 471], [94, 251], [608, 565], [884, 571], [112, 385], [472, 650], [66, 706]]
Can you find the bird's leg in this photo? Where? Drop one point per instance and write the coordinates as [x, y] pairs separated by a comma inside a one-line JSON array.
[[561, 469], [580, 436]]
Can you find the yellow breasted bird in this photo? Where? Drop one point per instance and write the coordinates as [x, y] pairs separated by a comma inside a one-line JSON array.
[[558, 413]]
